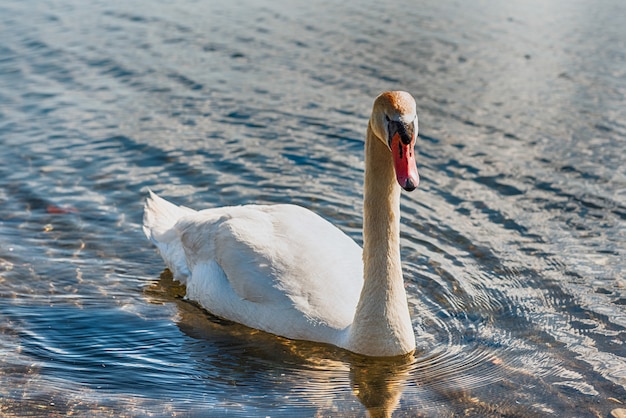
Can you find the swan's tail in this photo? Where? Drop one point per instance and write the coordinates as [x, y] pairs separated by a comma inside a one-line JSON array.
[[159, 220], [160, 216]]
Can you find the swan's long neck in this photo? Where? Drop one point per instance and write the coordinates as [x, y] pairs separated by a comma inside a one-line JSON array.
[[382, 324]]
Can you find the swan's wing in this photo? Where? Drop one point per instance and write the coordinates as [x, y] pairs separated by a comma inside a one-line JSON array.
[[279, 256]]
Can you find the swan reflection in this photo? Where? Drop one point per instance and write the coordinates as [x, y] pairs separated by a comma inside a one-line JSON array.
[[240, 361]]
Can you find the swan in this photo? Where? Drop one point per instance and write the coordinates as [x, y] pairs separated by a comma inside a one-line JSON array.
[[285, 270]]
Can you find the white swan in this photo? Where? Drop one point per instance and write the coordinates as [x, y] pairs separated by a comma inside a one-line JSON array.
[[285, 270]]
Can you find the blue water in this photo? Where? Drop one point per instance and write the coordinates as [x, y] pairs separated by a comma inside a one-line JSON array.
[[513, 246]]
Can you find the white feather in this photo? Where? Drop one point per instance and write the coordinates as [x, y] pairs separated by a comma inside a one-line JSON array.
[[252, 264]]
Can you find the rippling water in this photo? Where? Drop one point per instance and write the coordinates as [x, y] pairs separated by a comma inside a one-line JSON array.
[[513, 246]]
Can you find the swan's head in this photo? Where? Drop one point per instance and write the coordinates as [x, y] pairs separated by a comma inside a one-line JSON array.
[[394, 121]]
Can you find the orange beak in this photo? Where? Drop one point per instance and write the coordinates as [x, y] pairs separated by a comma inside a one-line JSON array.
[[404, 162]]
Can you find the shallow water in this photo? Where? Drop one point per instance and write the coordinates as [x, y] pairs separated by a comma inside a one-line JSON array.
[[513, 246]]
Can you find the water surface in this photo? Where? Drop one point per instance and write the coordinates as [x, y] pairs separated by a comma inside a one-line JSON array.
[[513, 246]]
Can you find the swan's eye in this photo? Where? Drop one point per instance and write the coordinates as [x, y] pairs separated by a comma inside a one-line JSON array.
[[406, 132]]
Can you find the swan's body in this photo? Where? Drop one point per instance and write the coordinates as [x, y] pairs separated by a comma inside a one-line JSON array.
[[285, 270]]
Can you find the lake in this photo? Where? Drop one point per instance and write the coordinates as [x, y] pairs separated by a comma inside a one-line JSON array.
[[513, 246]]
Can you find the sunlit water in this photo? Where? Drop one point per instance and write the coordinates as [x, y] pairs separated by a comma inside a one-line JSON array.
[[513, 246]]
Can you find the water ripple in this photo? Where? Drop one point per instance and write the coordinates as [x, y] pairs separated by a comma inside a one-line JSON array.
[[512, 247]]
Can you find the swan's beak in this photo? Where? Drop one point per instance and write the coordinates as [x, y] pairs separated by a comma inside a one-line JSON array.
[[402, 144]]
